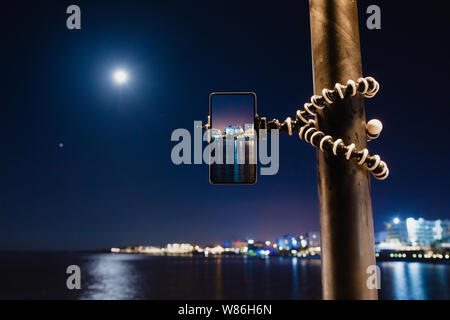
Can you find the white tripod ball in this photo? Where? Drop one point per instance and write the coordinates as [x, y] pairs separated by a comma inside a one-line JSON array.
[[374, 127]]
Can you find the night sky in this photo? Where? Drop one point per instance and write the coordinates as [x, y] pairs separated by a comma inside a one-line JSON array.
[[232, 110], [85, 164]]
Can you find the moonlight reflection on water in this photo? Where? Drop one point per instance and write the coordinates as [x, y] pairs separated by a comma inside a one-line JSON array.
[[111, 277]]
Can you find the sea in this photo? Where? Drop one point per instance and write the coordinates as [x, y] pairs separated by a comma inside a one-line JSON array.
[[231, 171], [108, 276]]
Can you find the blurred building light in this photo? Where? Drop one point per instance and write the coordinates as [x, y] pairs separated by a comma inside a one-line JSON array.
[[304, 243]]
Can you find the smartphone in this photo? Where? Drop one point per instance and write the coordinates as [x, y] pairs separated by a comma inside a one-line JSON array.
[[233, 140]]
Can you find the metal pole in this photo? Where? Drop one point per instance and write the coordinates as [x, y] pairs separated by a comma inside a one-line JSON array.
[[345, 205]]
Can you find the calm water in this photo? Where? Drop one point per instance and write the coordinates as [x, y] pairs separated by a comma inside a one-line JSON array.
[[235, 173], [127, 276]]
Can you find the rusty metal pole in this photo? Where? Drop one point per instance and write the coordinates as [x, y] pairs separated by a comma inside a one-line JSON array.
[[345, 205]]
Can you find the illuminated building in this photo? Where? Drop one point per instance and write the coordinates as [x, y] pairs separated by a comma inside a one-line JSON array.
[[233, 130], [288, 242], [239, 246], [416, 232], [380, 236], [446, 230], [397, 232], [216, 133], [313, 239], [249, 129], [214, 250], [256, 245], [178, 248]]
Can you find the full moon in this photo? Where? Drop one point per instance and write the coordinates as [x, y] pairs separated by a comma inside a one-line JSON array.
[[120, 76]]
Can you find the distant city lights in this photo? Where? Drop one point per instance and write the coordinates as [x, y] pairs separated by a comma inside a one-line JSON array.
[[413, 240]]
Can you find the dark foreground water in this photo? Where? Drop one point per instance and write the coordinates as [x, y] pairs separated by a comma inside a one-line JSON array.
[[127, 276], [235, 172]]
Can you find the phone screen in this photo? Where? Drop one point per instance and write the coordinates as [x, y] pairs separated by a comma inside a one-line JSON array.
[[233, 138]]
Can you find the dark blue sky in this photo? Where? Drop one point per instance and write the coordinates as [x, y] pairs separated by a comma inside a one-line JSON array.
[[231, 110], [113, 184]]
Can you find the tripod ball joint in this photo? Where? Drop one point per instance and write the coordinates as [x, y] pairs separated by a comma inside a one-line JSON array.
[[373, 129]]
